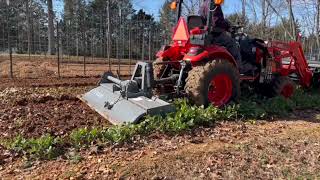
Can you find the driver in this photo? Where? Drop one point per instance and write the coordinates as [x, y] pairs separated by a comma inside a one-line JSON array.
[[220, 27]]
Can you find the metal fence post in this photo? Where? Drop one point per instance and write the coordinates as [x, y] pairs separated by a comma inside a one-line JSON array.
[[130, 60], [11, 60], [84, 55], [109, 35], [118, 42], [58, 49], [149, 44], [9, 39]]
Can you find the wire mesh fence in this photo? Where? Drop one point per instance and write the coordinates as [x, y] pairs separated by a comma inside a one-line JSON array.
[[87, 51]]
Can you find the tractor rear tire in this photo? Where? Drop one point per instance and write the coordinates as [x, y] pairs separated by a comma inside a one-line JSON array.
[[216, 82], [159, 69], [283, 86]]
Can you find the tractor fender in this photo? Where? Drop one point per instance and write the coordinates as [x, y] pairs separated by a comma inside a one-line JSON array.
[[198, 55], [218, 52]]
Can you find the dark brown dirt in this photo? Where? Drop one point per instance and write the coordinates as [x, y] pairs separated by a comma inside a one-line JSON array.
[[46, 115], [35, 107]]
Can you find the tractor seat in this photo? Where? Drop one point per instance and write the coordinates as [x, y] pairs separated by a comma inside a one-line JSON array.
[[196, 24]]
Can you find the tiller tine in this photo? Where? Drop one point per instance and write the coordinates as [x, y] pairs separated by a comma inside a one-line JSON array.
[[126, 101]]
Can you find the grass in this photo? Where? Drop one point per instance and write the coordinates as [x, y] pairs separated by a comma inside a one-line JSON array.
[[186, 117]]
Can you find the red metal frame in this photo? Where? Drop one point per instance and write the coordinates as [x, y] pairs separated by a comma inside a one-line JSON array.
[[180, 47], [298, 63]]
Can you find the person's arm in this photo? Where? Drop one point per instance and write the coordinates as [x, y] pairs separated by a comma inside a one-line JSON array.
[[217, 13], [218, 19]]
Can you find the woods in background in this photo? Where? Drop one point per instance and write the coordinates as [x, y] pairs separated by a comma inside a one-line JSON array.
[[112, 28]]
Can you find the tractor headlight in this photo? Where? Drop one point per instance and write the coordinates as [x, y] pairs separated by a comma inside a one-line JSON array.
[[194, 51]]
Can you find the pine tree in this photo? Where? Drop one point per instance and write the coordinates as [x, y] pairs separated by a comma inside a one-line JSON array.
[[167, 20]]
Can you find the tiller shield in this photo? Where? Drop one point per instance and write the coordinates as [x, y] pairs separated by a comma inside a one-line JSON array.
[[127, 101]]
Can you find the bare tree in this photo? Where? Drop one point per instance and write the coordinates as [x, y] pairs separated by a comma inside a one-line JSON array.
[[283, 20], [243, 19], [293, 26], [191, 7], [318, 23]]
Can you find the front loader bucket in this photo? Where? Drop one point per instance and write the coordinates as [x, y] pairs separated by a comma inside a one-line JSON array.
[[124, 110]]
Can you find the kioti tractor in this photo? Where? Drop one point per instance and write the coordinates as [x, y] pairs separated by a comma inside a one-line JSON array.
[[207, 74]]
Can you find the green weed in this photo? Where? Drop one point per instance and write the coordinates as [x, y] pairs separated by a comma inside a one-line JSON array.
[[84, 137], [45, 147], [306, 100]]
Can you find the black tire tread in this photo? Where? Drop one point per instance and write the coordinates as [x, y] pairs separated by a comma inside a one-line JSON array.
[[279, 83], [197, 80]]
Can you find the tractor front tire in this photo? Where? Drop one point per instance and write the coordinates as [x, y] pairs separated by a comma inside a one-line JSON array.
[[283, 86], [216, 82]]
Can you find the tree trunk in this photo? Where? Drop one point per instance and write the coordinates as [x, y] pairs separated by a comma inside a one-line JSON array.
[[264, 17], [50, 28], [243, 12], [283, 20], [317, 26], [292, 19]]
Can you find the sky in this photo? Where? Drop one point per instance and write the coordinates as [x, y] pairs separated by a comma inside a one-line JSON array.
[[153, 6]]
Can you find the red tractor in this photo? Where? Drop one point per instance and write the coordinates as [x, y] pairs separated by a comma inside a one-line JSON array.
[[191, 66], [212, 76]]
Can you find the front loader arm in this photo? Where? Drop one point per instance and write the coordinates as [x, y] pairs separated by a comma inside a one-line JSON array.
[[298, 63]]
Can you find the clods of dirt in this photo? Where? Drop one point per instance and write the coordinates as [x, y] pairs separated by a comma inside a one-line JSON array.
[[36, 115]]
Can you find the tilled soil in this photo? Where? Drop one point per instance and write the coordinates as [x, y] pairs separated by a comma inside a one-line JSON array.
[[35, 111], [46, 115]]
